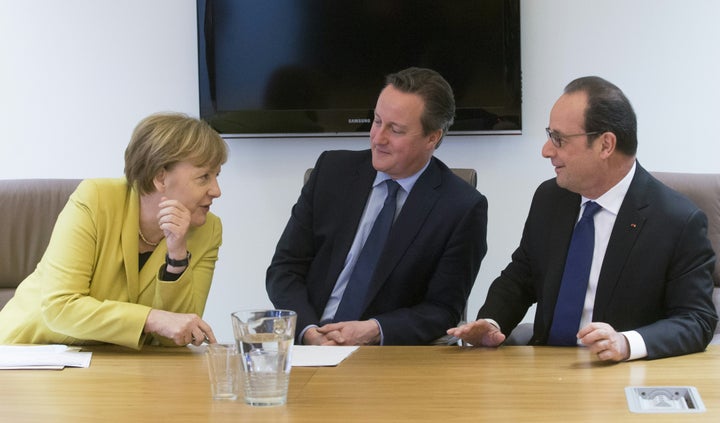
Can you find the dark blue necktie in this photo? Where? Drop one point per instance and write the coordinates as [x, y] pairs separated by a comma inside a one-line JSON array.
[[353, 300], [568, 310]]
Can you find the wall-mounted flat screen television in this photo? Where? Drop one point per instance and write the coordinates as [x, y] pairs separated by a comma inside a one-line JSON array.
[[299, 68]]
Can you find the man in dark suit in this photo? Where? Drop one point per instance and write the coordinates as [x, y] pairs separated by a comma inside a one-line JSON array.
[[649, 289], [432, 255]]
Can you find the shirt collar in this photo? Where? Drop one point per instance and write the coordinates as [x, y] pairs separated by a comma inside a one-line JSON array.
[[613, 198], [406, 183]]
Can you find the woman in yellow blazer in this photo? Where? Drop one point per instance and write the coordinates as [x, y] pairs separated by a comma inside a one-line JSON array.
[[130, 260]]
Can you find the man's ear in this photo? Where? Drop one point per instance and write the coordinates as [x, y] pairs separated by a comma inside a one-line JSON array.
[[608, 142], [435, 138]]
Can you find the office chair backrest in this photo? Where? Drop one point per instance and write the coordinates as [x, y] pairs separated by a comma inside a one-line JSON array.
[[703, 189], [28, 210]]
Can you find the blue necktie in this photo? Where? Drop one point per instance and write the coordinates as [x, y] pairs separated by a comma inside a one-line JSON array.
[[570, 301], [352, 304]]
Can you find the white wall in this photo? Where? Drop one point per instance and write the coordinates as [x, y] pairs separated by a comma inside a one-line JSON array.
[[77, 75]]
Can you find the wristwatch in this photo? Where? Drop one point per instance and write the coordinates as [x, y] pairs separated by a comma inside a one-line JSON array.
[[178, 263]]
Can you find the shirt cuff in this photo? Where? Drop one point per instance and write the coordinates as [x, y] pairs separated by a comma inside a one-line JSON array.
[[382, 337], [302, 334], [493, 322], [636, 343]]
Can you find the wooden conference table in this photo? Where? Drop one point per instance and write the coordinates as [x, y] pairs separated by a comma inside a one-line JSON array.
[[375, 384]]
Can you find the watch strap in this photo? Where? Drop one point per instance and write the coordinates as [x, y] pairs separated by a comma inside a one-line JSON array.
[[178, 263]]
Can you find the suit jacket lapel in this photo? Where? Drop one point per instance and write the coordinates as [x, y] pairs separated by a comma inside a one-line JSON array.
[[129, 241], [350, 212], [628, 225], [149, 271], [563, 218]]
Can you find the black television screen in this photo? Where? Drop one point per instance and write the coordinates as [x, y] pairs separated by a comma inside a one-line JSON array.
[[315, 67]]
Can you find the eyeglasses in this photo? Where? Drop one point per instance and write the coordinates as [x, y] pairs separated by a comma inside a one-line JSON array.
[[557, 138]]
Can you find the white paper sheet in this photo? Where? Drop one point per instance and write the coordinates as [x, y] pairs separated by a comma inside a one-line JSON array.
[[42, 357], [319, 356]]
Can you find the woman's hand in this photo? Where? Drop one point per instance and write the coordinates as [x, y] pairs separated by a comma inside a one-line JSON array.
[[182, 328], [174, 220]]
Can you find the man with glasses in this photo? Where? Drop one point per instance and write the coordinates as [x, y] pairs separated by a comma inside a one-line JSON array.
[[615, 260]]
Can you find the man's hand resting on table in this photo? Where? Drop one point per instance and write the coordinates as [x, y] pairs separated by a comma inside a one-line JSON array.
[[479, 333]]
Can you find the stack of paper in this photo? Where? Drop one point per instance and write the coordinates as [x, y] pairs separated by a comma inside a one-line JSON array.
[[42, 357], [315, 356]]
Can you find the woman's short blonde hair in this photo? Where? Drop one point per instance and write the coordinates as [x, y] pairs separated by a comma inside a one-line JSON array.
[[162, 140]]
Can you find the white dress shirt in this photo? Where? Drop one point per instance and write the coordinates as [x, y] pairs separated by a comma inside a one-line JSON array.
[[604, 222]]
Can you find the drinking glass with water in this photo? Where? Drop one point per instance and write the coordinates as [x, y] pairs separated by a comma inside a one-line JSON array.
[[264, 339]]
